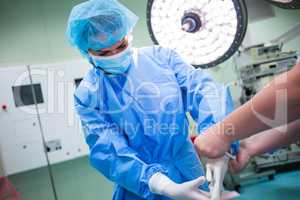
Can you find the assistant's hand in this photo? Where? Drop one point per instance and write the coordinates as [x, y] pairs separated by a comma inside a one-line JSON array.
[[211, 145], [162, 185], [242, 159]]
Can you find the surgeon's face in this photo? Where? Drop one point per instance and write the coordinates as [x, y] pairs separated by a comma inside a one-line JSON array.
[[115, 49]]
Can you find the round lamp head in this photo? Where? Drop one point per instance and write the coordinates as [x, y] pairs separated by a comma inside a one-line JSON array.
[[204, 32]]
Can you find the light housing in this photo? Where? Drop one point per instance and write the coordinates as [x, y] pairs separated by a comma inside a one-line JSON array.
[[204, 32]]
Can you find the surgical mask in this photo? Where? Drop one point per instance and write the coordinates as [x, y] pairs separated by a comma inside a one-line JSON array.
[[115, 64]]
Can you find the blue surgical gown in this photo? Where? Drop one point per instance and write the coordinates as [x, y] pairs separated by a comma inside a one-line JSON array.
[[136, 123]]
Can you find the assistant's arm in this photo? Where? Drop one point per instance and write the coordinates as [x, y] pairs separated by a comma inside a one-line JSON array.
[[265, 142], [282, 94], [273, 139]]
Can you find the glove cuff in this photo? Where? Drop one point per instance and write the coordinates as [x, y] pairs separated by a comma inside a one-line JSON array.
[[158, 183]]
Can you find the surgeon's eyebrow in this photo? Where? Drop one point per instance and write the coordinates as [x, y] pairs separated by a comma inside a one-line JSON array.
[[122, 45]]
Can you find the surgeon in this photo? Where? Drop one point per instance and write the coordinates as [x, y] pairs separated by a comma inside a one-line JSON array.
[[133, 103]]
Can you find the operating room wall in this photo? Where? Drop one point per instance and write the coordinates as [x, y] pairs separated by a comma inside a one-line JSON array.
[[33, 31]]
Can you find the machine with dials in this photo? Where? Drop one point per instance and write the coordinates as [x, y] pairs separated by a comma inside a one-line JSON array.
[[258, 64]]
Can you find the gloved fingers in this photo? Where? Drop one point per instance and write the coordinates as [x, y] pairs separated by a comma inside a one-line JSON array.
[[207, 194], [201, 195], [228, 195], [209, 173], [197, 182], [223, 172], [220, 171], [218, 178]]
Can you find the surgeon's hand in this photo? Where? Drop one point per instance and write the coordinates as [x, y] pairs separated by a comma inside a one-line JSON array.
[[211, 145], [215, 172], [162, 185], [242, 159]]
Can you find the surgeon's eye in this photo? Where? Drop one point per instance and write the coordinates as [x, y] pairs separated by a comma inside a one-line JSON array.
[[118, 49], [123, 46], [103, 53]]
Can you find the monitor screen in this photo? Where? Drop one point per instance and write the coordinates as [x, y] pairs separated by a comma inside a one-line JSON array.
[[23, 94]]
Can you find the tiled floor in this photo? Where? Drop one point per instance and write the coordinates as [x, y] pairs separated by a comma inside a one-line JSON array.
[[76, 180]]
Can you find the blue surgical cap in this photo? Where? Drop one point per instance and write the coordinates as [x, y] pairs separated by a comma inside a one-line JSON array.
[[98, 24]]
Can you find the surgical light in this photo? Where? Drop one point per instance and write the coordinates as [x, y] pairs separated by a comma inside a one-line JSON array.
[[204, 32]]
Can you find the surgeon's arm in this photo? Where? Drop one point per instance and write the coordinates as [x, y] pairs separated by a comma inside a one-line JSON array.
[[111, 155], [207, 101]]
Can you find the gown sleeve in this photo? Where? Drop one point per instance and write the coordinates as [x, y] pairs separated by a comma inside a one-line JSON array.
[[207, 101], [110, 153]]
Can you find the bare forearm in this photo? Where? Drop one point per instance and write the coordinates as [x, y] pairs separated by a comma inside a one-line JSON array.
[[273, 139], [276, 105], [266, 109]]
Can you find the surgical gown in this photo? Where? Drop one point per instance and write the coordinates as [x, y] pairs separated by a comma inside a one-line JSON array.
[[136, 123]]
